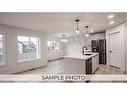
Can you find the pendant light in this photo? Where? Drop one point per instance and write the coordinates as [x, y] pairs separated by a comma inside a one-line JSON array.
[[87, 32], [64, 39], [77, 27]]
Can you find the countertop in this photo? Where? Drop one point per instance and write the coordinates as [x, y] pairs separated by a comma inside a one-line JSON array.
[[83, 57]]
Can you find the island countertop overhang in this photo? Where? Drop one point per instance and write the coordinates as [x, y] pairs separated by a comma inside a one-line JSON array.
[[82, 57]]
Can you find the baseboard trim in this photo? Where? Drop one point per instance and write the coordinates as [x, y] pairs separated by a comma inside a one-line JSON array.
[[55, 59], [30, 69]]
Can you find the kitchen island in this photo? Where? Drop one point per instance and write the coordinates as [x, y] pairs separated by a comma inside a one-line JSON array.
[[81, 64]]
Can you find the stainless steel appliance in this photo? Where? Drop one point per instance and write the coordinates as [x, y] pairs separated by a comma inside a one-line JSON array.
[[99, 46]]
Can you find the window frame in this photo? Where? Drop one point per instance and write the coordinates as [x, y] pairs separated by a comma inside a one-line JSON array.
[[54, 42], [39, 49], [4, 48]]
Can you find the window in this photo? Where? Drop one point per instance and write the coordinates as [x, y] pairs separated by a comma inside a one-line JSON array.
[[28, 48], [2, 49], [53, 46]]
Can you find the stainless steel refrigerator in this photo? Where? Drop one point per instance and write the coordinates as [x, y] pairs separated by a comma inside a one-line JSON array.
[[100, 47]]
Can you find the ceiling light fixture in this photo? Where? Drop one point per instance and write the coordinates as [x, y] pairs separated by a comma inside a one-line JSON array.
[[64, 39], [111, 22], [87, 32], [110, 16], [77, 28]]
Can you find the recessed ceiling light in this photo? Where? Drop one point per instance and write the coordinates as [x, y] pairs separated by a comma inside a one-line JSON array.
[[110, 16], [111, 22], [91, 30]]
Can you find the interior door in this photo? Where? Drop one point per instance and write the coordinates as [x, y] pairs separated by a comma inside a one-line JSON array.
[[114, 50]]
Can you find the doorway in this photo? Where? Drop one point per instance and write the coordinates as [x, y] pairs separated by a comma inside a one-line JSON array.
[[115, 49]]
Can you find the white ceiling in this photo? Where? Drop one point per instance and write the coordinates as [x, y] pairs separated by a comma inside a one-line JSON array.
[[57, 23]]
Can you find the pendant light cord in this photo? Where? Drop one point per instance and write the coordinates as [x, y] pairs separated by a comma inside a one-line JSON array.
[[86, 29], [77, 20]]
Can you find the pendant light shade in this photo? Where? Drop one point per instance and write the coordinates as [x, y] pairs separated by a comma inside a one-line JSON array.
[[87, 32], [77, 31], [77, 27], [64, 39], [87, 35]]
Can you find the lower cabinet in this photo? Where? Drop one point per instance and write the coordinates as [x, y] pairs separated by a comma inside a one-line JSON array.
[[80, 66], [89, 66], [73, 66], [95, 63], [92, 64]]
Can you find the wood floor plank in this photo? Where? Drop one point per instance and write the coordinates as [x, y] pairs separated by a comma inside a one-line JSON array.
[[56, 66]]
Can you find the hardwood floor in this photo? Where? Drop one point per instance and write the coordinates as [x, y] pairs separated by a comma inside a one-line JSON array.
[[108, 69], [56, 67], [53, 67]]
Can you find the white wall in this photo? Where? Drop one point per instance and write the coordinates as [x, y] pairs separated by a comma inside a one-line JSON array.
[[58, 54], [75, 44], [98, 36], [12, 66], [120, 28]]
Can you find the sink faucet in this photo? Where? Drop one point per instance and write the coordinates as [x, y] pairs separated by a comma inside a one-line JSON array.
[[83, 49]]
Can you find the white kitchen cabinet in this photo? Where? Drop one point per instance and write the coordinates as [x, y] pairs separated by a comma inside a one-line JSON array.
[[73, 66], [95, 63], [80, 64]]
